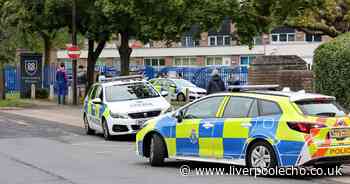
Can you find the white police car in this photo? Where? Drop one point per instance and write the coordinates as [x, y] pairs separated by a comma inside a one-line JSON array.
[[120, 106]]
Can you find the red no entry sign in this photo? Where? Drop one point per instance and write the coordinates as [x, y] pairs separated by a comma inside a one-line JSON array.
[[73, 52]]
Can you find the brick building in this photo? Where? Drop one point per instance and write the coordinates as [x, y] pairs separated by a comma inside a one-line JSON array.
[[210, 48]]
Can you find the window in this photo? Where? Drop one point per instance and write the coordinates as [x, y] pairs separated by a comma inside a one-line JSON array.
[[214, 60], [127, 92], [321, 108], [282, 35], [274, 38], [186, 61], [246, 60], [257, 40], [157, 62], [219, 40], [238, 107], [206, 108], [269, 108], [188, 41], [313, 38], [227, 40]]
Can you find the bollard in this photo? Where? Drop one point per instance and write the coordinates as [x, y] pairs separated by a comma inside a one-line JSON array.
[[70, 95], [32, 91], [187, 95], [52, 93]]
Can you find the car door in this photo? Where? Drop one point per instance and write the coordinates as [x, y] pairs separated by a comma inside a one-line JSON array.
[[96, 115], [194, 134], [237, 116], [90, 107]]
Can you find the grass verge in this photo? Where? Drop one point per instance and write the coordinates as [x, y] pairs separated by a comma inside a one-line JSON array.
[[13, 100]]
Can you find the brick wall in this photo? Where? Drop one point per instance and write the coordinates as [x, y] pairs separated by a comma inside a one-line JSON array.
[[299, 36], [203, 42], [200, 60], [287, 71], [168, 61]]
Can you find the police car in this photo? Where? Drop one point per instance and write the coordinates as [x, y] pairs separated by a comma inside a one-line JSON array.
[[261, 129], [178, 87], [119, 106]]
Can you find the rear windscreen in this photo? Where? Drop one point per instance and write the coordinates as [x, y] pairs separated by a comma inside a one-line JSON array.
[[321, 108]]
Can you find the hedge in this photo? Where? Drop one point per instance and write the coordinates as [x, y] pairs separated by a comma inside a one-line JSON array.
[[332, 69]]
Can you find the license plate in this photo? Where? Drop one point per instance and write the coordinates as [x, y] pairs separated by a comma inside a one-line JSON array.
[[141, 121], [340, 133]]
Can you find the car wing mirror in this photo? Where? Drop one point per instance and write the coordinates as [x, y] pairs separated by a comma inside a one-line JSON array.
[[164, 93], [179, 115], [96, 101]]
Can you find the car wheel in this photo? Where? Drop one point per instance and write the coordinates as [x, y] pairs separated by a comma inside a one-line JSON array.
[[261, 155], [157, 151], [87, 128], [181, 97], [106, 134]]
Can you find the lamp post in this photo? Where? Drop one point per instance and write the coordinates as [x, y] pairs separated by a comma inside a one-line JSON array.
[[74, 43]]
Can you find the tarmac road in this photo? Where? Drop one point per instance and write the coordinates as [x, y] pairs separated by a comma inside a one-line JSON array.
[[36, 151]]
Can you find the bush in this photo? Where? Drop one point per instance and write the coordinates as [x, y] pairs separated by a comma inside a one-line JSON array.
[[41, 93], [332, 69]]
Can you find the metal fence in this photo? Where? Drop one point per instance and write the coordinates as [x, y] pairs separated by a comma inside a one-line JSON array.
[[200, 76]]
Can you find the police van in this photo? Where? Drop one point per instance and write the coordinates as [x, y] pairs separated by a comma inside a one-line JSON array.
[[120, 106]]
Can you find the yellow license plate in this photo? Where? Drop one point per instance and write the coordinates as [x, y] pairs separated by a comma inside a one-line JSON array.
[[340, 133]]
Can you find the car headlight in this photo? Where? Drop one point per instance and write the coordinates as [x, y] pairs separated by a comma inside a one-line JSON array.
[[118, 116], [193, 93]]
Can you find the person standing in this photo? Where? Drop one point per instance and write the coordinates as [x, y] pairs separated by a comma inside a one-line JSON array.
[[216, 84], [61, 82]]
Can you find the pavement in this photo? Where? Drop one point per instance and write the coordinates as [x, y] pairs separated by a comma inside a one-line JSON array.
[[50, 111], [45, 144]]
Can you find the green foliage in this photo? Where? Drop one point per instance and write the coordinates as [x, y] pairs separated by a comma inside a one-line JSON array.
[[329, 17], [41, 93], [332, 69]]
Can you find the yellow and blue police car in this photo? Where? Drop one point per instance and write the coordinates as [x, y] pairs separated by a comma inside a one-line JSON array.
[[261, 129], [120, 105]]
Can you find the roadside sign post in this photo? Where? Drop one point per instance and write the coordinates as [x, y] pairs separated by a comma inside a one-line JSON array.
[[74, 54]]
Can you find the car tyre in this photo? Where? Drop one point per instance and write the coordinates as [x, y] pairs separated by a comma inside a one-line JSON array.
[[181, 97], [157, 151], [106, 134], [261, 155], [87, 128]]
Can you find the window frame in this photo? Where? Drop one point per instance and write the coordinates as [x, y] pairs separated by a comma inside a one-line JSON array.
[[279, 37], [223, 39], [151, 59], [313, 38]]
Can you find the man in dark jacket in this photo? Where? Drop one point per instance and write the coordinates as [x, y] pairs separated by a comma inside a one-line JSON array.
[[215, 84]]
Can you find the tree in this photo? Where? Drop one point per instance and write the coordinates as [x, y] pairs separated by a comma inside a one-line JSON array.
[[96, 28], [160, 20], [328, 17], [40, 17]]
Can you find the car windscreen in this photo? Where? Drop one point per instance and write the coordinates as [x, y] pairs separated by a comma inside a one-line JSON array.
[[183, 83], [130, 92], [327, 108]]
